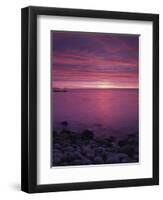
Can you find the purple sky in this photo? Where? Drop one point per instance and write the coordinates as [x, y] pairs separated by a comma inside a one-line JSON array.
[[94, 60]]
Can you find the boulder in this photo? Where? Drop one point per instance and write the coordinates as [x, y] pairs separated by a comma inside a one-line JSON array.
[[64, 123], [122, 143], [76, 162], [100, 150], [128, 149], [123, 157], [86, 161], [98, 160], [90, 155], [57, 158], [112, 159], [57, 146], [69, 149], [68, 156], [87, 135]]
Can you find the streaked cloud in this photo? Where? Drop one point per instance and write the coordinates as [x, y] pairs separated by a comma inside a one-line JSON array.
[[93, 59]]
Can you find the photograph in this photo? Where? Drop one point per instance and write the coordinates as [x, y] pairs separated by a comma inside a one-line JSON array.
[[94, 98]]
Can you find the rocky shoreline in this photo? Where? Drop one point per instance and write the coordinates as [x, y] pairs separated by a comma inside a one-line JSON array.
[[71, 148]]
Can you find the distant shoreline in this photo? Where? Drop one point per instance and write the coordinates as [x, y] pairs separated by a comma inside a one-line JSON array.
[[88, 89], [59, 90]]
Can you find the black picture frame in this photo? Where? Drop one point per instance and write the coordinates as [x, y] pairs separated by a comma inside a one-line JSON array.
[[29, 99]]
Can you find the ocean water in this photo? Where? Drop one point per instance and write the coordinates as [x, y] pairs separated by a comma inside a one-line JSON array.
[[106, 112]]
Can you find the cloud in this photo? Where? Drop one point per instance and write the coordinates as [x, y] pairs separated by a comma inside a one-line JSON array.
[[95, 57]]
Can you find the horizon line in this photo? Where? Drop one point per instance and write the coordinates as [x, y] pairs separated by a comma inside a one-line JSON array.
[[95, 88]]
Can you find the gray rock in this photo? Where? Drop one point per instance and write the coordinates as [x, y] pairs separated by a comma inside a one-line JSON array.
[[90, 155], [68, 156], [86, 161], [78, 155], [57, 158], [113, 150], [85, 149], [64, 123], [111, 159], [123, 157], [76, 162], [56, 151], [128, 149], [57, 146], [100, 150], [98, 160], [87, 135], [69, 149]]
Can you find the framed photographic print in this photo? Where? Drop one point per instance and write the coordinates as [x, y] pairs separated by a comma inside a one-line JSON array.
[[90, 99]]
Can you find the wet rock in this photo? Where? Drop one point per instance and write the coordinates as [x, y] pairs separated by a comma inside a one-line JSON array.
[[113, 150], [65, 133], [125, 160], [115, 146], [56, 137], [123, 157], [76, 162], [122, 143], [133, 140], [136, 157], [98, 160], [86, 161], [75, 146], [111, 159], [64, 123], [66, 142], [87, 135], [100, 150], [54, 133], [62, 136], [78, 155], [128, 149], [93, 145], [112, 139], [64, 164], [57, 146], [73, 137], [90, 155], [68, 156], [69, 149], [56, 151], [85, 149], [132, 135], [57, 158]]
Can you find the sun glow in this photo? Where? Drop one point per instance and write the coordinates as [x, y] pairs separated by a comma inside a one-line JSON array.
[[105, 85]]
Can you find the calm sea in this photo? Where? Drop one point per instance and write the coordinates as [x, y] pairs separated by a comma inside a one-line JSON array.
[[104, 111]]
